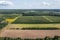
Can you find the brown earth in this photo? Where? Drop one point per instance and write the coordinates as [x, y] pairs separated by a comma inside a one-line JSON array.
[[6, 32], [30, 33]]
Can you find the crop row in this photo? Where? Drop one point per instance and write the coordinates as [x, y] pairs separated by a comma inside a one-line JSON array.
[[37, 19]]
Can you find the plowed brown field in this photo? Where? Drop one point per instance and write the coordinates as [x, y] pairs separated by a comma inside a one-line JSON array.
[[30, 33]]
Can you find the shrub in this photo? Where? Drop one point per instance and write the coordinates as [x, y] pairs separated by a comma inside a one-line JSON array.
[[56, 38], [47, 38]]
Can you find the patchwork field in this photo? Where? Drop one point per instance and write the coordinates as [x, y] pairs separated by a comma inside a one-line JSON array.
[[19, 21], [14, 33], [16, 23]]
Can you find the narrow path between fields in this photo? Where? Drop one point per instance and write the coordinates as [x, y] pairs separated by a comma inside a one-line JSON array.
[[47, 18], [15, 19]]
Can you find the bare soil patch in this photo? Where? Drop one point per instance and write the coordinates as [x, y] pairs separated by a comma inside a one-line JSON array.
[[30, 33]]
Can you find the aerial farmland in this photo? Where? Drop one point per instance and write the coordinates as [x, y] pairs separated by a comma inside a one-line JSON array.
[[30, 21]]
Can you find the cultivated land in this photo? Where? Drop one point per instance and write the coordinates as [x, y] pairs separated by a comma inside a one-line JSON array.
[[16, 22], [30, 33], [37, 19], [13, 29], [20, 26]]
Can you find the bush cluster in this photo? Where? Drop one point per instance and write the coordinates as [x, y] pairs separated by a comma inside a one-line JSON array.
[[40, 28], [2, 25], [36, 28], [46, 38]]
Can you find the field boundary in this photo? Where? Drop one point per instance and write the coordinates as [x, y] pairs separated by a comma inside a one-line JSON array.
[[47, 18]]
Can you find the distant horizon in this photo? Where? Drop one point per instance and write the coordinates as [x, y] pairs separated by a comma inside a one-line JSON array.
[[33, 9], [29, 4]]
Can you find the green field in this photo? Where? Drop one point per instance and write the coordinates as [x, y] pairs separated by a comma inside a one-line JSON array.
[[42, 18], [33, 21], [37, 19], [54, 18]]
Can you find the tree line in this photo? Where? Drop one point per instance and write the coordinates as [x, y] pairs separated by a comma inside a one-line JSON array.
[[46, 38]]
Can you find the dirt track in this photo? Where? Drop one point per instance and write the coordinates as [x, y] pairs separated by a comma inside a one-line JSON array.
[[30, 33]]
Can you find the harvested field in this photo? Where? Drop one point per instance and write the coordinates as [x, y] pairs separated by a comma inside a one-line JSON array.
[[6, 32], [30, 33], [33, 26]]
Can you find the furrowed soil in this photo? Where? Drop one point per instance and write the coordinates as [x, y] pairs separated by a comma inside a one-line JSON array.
[[30, 33], [6, 32]]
